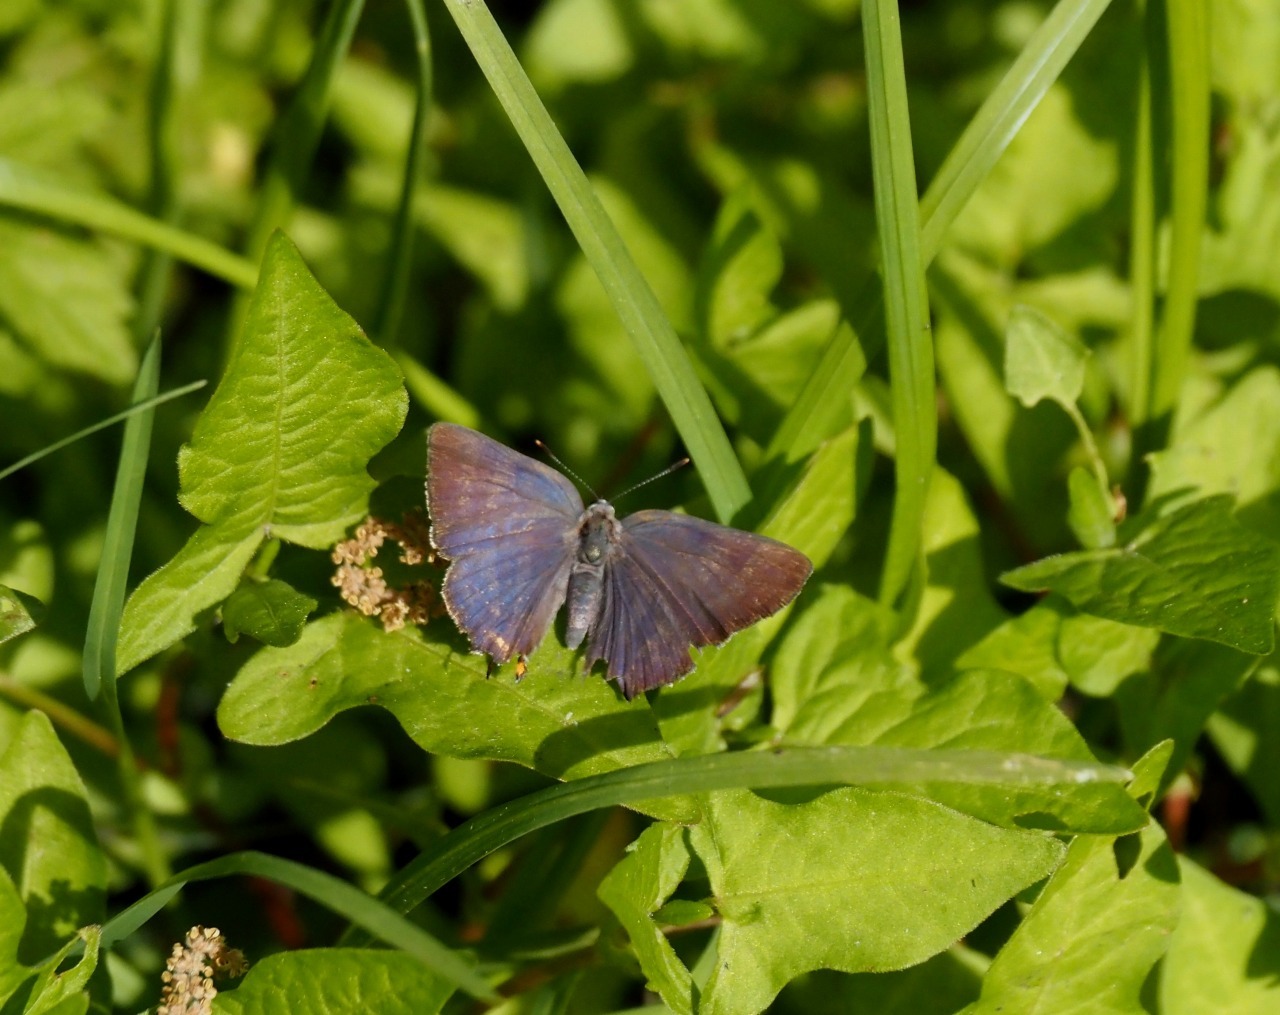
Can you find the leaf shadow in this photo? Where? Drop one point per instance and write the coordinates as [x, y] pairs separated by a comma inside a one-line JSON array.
[[54, 917]]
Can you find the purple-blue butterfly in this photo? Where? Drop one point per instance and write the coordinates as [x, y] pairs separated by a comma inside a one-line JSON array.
[[640, 590]]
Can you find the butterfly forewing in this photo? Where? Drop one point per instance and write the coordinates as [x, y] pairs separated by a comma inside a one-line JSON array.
[[508, 524], [679, 581]]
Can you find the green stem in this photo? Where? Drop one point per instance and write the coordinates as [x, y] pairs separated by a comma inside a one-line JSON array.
[[400, 252]]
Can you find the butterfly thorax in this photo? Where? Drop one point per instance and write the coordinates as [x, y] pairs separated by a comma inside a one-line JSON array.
[[598, 535]]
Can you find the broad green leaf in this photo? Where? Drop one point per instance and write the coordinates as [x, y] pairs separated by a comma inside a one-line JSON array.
[[60, 991], [1097, 928], [1186, 682], [562, 722], [336, 981], [1026, 645], [1090, 512], [1195, 572], [853, 880], [634, 890], [1207, 455], [1224, 954], [577, 41], [281, 449], [941, 986], [1234, 255], [1244, 730], [847, 688], [43, 988], [273, 612], [304, 403], [754, 380], [1020, 449], [484, 235], [1054, 171], [49, 847], [957, 608], [13, 918], [164, 608], [1052, 645], [18, 613], [813, 517], [740, 268], [67, 301], [1041, 359]]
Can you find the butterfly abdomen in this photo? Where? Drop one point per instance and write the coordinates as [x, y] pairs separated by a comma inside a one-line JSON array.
[[598, 534]]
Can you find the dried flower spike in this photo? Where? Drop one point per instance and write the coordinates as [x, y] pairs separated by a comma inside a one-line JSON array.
[[364, 586], [188, 976]]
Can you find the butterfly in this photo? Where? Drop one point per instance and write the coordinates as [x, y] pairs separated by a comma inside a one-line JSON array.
[[639, 590]]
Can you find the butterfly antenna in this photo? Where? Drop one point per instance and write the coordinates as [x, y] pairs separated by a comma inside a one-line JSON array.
[[566, 470], [665, 472]]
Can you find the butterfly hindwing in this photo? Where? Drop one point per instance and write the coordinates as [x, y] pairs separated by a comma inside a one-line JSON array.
[[679, 581], [508, 524]]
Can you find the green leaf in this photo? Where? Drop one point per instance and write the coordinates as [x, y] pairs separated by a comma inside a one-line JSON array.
[[1195, 572], [562, 723], [853, 880], [281, 449], [273, 612], [1173, 700], [337, 981], [635, 890], [1244, 732], [1090, 512], [164, 608], [941, 986], [484, 235], [1020, 449], [956, 608], [45, 987], [1041, 360], [1052, 645], [30, 190], [18, 613], [1207, 455], [49, 847], [1225, 952], [739, 269], [1097, 928], [67, 301], [847, 688], [63, 991]]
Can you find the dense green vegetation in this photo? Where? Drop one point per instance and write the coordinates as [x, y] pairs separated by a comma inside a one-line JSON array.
[[974, 302]]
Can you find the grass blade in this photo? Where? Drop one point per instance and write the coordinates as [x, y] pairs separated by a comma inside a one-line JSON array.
[[339, 896], [395, 282], [102, 424], [637, 307], [1188, 114], [825, 395], [26, 189], [910, 340], [103, 627], [813, 766]]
